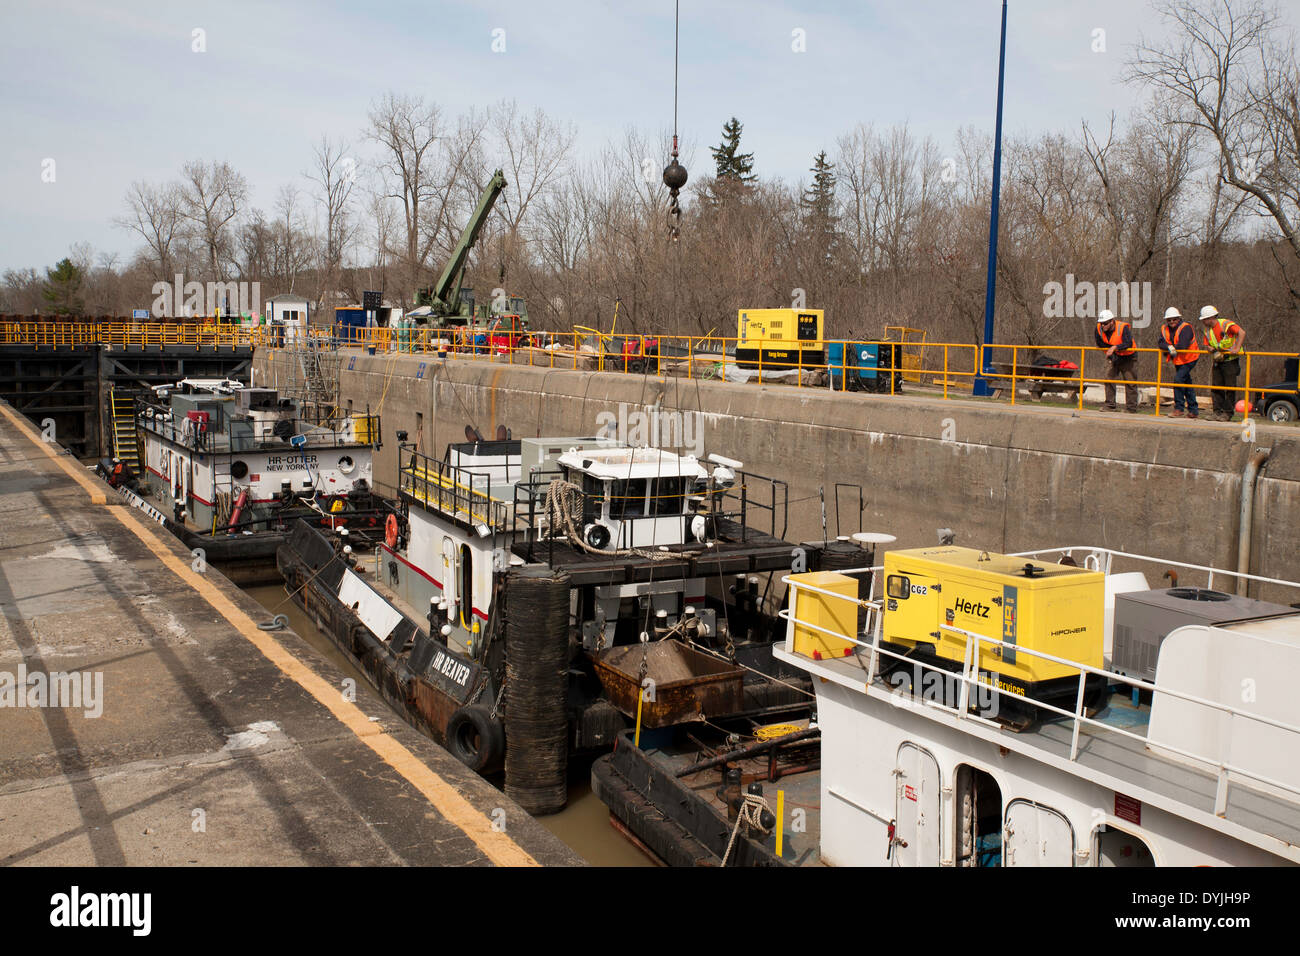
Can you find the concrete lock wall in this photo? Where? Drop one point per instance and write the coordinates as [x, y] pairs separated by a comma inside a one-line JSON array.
[[1003, 479]]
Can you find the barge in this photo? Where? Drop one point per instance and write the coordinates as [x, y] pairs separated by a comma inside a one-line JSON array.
[[534, 598], [936, 740]]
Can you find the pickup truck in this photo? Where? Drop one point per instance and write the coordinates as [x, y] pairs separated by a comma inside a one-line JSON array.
[[1277, 406]]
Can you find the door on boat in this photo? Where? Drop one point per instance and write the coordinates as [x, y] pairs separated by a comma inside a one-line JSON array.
[[916, 808], [1112, 847], [1035, 835], [977, 801], [466, 587], [912, 612]]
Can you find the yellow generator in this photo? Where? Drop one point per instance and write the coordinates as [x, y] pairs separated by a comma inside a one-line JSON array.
[[1049, 608], [780, 339]]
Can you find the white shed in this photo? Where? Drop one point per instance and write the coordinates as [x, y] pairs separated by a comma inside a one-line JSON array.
[[290, 311]]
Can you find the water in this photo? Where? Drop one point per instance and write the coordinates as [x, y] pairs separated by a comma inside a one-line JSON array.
[[583, 824]]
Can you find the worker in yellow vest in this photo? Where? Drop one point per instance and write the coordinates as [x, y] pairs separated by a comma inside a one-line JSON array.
[[1117, 339], [1179, 343], [1223, 339]]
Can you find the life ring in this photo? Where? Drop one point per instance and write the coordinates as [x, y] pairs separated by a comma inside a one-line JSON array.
[[475, 739], [390, 531]]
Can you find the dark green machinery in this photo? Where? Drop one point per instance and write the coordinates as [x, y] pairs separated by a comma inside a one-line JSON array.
[[445, 301]]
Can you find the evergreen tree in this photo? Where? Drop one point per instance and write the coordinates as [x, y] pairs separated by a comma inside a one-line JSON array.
[[819, 198], [62, 289], [818, 202], [733, 164]]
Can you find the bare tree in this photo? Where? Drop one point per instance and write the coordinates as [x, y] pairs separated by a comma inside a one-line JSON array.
[[407, 130], [211, 197], [1237, 79], [334, 173], [535, 151], [1141, 176], [154, 213]]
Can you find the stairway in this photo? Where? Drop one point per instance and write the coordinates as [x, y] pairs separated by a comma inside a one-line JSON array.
[[122, 404]]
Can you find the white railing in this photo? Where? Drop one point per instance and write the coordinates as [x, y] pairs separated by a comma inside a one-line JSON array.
[[1098, 559], [1102, 559]]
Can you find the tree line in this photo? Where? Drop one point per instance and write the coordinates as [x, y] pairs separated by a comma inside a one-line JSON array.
[[1194, 195]]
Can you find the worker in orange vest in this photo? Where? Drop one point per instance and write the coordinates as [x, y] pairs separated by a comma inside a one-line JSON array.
[[1117, 339], [1223, 339], [1179, 343]]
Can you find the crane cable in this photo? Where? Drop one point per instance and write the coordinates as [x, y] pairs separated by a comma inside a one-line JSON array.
[[674, 172]]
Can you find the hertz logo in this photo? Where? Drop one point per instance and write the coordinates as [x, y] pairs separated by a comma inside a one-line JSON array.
[[971, 608]]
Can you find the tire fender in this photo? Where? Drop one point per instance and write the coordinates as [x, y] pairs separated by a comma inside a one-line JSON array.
[[475, 739]]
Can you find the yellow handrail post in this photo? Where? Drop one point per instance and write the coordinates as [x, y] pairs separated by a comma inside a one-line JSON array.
[[1082, 376], [1160, 365], [1015, 366], [1245, 399]]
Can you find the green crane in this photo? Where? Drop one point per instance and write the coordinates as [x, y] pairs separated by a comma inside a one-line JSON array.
[[445, 297]]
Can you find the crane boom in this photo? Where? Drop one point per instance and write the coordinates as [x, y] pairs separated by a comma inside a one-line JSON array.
[[445, 296]]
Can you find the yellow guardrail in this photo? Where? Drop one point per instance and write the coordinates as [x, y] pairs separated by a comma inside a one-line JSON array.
[[1020, 369], [122, 334], [949, 368]]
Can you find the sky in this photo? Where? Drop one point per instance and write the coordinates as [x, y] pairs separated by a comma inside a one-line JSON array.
[[115, 92]]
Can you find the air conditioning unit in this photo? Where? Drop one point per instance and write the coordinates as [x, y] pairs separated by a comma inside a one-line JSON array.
[[261, 398], [1144, 618]]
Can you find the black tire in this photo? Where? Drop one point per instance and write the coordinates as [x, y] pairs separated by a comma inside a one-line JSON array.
[[476, 740], [1283, 410]]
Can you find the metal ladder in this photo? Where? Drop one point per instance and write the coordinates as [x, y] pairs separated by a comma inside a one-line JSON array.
[[319, 375], [122, 405]]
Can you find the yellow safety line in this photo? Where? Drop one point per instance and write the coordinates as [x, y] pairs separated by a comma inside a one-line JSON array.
[[452, 805]]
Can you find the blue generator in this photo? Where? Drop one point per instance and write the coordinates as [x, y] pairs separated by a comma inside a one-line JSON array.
[[863, 366]]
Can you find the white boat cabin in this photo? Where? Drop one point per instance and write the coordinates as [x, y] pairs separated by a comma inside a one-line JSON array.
[[222, 455]]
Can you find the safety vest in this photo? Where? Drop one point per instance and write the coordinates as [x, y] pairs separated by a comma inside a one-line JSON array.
[[1184, 356], [1116, 337], [1215, 337]]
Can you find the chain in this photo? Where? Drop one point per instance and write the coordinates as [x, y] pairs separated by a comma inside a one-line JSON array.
[[496, 706], [645, 667]]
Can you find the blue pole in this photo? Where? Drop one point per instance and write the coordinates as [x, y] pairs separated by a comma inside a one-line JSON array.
[[981, 384]]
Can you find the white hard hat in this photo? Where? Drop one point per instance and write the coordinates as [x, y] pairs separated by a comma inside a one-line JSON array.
[[1209, 312], [1105, 315], [1172, 313]]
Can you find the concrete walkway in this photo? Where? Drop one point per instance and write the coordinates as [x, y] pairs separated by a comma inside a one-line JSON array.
[[185, 735]]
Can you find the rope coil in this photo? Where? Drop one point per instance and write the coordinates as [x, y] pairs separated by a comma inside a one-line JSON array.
[[751, 815], [564, 500]]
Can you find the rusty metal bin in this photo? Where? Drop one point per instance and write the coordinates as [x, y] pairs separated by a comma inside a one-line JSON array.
[[688, 685]]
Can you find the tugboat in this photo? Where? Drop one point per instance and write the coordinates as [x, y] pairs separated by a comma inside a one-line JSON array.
[[228, 469], [1040, 709], [535, 597]]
